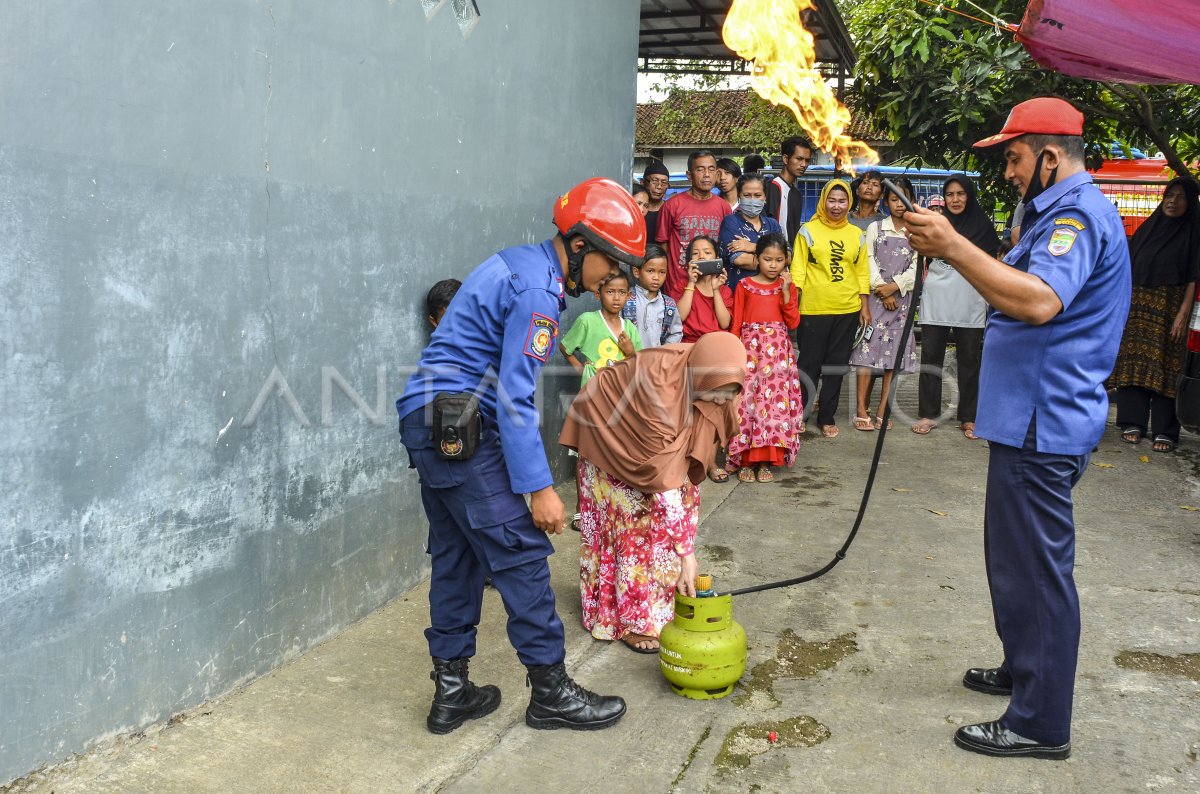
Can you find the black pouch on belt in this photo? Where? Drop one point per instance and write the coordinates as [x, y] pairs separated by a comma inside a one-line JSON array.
[[456, 425]]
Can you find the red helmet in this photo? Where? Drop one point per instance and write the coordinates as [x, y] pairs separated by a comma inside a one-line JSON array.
[[606, 216]]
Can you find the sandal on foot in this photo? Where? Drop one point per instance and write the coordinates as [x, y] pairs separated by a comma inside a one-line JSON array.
[[577, 521], [968, 430], [923, 427], [1131, 435], [877, 423], [765, 474], [830, 431], [634, 643], [746, 474], [863, 423], [1163, 444], [718, 475]]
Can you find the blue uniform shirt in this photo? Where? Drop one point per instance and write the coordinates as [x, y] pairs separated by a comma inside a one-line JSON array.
[[498, 331], [1073, 239]]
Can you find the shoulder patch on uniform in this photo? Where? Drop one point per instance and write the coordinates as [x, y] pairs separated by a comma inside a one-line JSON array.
[[542, 331], [1074, 224], [1061, 240]]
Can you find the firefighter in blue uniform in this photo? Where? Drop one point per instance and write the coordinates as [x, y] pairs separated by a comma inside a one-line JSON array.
[[471, 427], [1059, 306]]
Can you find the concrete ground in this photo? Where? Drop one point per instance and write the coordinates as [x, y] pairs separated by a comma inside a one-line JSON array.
[[858, 672]]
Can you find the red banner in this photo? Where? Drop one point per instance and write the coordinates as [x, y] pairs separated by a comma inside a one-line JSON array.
[[1125, 41]]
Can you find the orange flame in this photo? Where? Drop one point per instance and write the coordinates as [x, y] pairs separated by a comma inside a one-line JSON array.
[[771, 34]]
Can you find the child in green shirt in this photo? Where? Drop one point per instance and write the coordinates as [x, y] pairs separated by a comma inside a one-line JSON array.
[[598, 339]]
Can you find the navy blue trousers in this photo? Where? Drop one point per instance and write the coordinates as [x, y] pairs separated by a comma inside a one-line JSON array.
[[1029, 544], [479, 528]]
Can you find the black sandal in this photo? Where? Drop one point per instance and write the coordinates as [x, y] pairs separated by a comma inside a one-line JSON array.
[[1164, 444], [1131, 435]]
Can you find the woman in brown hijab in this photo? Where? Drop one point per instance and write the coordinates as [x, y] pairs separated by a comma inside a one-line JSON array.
[[646, 430]]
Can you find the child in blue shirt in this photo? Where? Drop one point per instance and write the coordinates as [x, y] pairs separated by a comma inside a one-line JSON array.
[[652, 311]]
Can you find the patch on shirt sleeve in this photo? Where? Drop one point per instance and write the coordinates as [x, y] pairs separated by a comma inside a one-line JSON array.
[[1061, 240], [1074, 224], [542, 331]]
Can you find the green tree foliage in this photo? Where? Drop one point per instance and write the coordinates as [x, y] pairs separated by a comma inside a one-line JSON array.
[[939, 82]]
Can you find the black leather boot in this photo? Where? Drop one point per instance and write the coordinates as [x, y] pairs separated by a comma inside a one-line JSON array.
[[456, 699], [558, 702]]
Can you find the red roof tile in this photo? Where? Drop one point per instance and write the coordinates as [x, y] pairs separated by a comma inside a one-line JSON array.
[[709, 118]]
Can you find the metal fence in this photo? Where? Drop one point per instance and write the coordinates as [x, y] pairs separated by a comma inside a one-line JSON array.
[[927, 183], [1135, 200]]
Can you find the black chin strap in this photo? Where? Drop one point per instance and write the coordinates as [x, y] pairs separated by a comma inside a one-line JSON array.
[[573, 284]]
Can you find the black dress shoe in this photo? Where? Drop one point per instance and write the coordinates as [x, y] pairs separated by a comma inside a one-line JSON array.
[[992, 738], [990, 680]]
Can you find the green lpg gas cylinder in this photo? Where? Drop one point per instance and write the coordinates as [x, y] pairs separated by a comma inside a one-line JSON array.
[[702, 652]]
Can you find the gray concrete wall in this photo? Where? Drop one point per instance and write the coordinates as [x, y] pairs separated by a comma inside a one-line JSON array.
[[192, 197]]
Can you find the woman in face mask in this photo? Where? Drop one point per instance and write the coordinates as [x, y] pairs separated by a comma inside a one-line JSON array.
[[741, 230]]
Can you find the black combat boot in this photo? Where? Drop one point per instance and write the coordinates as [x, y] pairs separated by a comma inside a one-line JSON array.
[[456, 699], [559, 702]]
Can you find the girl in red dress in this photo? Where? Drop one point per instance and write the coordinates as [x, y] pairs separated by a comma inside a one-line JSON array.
[[765, 307]]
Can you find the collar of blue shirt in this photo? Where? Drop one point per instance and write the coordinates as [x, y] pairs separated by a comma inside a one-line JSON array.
[[640, 291], [1058, 190]]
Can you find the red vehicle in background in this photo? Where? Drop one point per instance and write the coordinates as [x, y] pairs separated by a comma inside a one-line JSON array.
[[1134, 186]]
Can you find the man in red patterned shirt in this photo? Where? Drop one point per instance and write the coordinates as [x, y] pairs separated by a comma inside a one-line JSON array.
[[685, 216]]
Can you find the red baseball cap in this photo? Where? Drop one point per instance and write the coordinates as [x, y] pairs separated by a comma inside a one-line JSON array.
[[1040, 116]]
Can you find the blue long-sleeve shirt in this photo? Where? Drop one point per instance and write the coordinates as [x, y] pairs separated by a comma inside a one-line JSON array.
[[498, 331]]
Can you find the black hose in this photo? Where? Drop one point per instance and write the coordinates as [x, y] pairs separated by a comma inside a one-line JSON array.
[[887, 414]]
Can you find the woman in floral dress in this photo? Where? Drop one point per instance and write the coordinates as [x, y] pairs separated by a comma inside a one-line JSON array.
[[893, 264], [646, 430]]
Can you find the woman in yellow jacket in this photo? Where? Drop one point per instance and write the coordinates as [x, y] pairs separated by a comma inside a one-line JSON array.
[[831, 271]]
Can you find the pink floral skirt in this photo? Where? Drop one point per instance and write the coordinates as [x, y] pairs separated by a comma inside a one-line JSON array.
[[629, 549], [771, 408]]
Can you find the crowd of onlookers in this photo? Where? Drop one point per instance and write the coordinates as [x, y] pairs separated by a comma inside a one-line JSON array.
[[811, 293], [853, 271]]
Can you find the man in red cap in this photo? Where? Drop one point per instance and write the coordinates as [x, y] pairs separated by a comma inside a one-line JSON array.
[[1060, 299]]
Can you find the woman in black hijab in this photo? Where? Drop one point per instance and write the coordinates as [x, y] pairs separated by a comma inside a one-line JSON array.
[[1164, 256], [951, 304]]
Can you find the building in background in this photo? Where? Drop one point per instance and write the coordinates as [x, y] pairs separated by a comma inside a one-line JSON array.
[[728, 122]]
